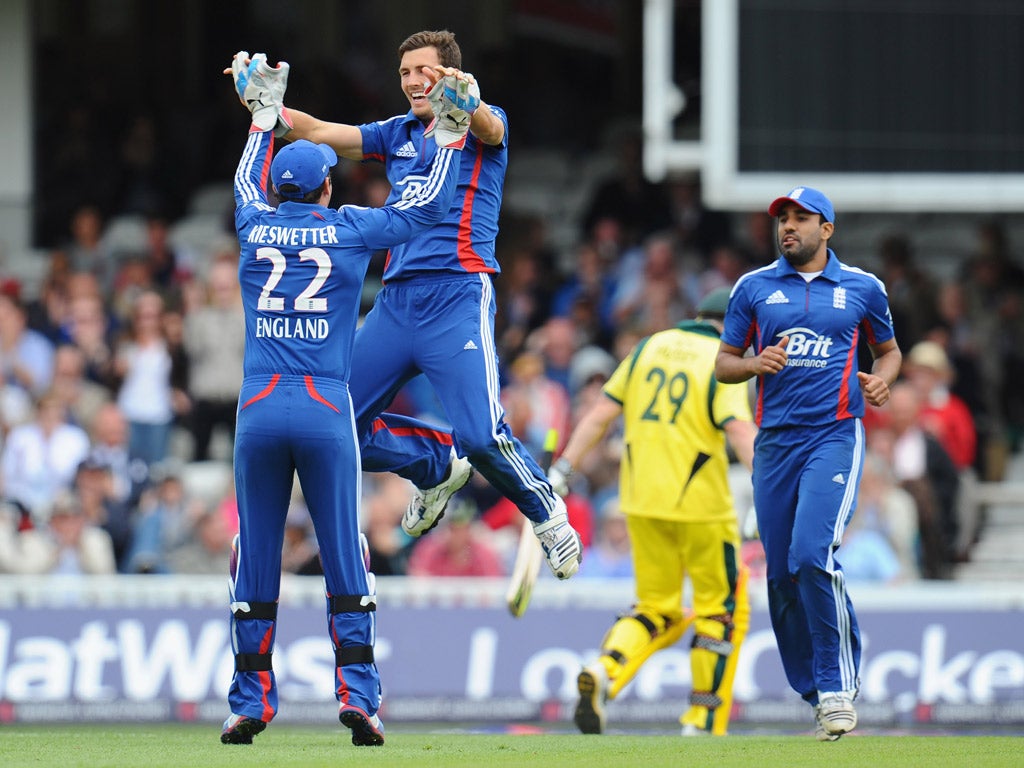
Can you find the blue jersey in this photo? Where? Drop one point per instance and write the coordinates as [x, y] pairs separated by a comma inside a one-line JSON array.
[[824, 319], [302, 266], [463, 241]]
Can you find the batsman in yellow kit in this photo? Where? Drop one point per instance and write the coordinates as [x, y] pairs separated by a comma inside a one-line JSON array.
[[674, 492]]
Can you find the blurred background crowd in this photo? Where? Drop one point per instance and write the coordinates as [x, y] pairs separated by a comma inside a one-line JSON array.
[[120, 359], [121, 374]]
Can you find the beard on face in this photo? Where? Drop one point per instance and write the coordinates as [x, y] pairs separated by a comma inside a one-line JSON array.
[[800, 255]]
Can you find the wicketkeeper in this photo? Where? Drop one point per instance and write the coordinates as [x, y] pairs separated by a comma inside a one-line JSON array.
[[301, 270]]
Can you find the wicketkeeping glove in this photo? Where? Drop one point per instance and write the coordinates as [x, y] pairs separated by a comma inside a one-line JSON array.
[[453, 101], [558, 476], [261, 88]]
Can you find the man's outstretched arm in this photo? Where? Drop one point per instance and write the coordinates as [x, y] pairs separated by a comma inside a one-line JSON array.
[[346, 140]]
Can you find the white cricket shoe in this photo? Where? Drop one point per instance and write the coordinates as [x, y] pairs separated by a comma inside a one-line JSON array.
[[834, 716], [689, 729], [427, 506], [592, 684], [560, 542], [819, 728]]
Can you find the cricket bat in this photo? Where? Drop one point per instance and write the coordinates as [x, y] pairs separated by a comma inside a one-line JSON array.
[[529, 555]]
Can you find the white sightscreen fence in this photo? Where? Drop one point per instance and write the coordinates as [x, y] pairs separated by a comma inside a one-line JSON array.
[[898, 106]]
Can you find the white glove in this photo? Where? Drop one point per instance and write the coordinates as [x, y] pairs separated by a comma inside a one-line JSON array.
[[558, 476], [459, 91], [261, 88], [453, 99]]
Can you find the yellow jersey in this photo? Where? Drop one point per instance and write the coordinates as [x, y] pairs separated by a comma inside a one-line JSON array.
[[674, 464]]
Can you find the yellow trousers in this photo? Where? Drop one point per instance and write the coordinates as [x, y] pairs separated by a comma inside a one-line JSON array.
[[665, 555]]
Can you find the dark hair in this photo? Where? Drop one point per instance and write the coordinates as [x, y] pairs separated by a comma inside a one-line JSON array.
[[285, 192], [448, 51]]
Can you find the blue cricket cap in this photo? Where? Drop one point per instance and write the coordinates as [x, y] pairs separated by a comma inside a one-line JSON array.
[[302, 164], [807, 198]]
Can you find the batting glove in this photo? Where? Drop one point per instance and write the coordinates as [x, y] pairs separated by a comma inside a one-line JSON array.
[[559, 475], [453, 100], [261, 88]]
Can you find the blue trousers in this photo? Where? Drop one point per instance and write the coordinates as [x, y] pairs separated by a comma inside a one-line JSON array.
[[292, 425], [441, 326], [805, 491]]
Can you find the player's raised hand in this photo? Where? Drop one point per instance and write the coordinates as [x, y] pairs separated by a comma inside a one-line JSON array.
[[261, 88], [238, 69], [460, 88], [454, 96]]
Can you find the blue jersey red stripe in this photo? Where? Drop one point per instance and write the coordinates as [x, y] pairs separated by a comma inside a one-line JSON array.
[[301, 266], [843, 411], [469, 258], [464, 241], [822, 319]]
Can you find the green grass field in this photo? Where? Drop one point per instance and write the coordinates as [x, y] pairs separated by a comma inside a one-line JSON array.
[[185, 746]]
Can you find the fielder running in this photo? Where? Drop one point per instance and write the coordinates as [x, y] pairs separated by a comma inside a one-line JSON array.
[[301, 270], [675, 493], [804, 315], [435, 314]]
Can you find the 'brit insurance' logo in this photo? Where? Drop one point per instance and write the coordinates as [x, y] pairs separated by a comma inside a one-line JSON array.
[[806, 348]]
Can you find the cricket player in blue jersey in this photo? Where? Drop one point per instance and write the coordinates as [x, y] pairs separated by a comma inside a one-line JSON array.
[[803, 315], [435, 314], [301, 269]]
